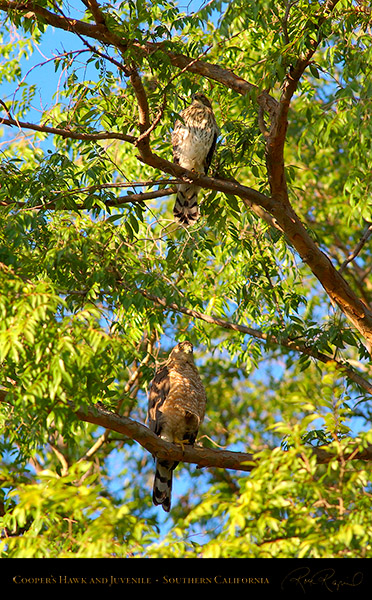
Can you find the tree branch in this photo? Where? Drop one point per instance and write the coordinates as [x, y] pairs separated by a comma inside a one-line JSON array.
[[67, 133], [365, 237], [215, 72], [275, 140], [142, 143], [95, 9], [342, 367], [332, 281], [117, 202], [203, 457], [73, 25]]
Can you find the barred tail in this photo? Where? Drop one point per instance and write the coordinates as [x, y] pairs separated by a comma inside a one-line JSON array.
[[186, 208], [162, 490]]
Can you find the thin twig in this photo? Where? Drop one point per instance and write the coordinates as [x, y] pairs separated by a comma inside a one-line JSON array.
[[116, 202], [302, 348], [363, 240], [67, 133]]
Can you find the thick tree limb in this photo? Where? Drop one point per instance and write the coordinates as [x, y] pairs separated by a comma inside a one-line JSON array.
[[203, 457], [216, 73], [95, 9], [100, 33], [275, 139], [332, 281]]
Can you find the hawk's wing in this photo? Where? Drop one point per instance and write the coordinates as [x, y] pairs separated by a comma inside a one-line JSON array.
[[158, 393], [159, 390], [208, 158], [177, 138]]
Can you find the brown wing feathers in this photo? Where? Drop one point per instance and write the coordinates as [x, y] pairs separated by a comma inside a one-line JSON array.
[[175, 411]]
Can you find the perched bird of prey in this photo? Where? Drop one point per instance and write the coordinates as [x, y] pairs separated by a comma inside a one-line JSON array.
[[176, 409], [194, 141]]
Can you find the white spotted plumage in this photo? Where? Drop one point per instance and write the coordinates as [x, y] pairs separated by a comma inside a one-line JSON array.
[[194, 141]]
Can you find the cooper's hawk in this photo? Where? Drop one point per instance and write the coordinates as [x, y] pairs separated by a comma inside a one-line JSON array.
[[177, 402], [194, 141]]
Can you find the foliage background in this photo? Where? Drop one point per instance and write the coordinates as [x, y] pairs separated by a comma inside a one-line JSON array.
[[98, 283]]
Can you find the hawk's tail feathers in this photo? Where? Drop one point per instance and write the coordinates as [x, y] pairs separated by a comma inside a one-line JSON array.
[[162, 490], [186, 208]]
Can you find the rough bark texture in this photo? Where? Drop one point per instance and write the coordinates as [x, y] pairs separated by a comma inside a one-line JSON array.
[[202, 457]]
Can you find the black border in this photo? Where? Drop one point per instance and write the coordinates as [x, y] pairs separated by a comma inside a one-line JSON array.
[[255, 577]]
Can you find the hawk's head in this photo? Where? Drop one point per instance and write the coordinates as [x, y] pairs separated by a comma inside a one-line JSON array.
[[202, 99], [183, 351]]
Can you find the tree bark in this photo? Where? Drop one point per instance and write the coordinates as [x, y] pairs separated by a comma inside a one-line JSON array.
[[202, 457]]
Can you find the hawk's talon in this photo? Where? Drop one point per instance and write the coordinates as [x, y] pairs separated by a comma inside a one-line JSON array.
[[181, 443]]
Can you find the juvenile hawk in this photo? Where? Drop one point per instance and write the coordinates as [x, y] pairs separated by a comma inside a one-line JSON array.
[[194, 141], [177, 402]]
